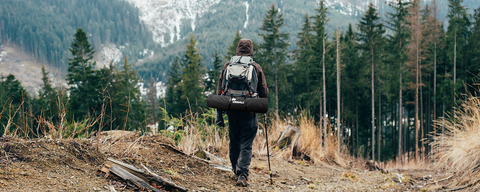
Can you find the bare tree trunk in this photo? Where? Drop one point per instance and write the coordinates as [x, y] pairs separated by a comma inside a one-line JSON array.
[[434, 4], [338, 92], [422, 149], [400, 118], [454, 74], [356, 130], [324, 98], [276, 82], [373, 110], [416, 91], [407, 134], [379, 132]]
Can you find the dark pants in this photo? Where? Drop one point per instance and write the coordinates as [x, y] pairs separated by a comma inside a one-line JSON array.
[[242, 130]]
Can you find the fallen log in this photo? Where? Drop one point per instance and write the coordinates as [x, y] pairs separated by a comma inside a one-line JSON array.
[[152, 179], [163, 181], [127, 176], [210, 157]]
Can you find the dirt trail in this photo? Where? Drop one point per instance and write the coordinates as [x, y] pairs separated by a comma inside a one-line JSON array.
[[72, 165]]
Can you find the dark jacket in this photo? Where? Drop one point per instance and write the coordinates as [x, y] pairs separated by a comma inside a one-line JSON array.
[[245, 48]]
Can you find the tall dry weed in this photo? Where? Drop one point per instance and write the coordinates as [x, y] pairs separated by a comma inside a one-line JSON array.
[[199, 134], [459, 145]]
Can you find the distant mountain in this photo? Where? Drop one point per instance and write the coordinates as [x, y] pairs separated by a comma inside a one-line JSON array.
[[45, 28], [214, 23], [152, 32]]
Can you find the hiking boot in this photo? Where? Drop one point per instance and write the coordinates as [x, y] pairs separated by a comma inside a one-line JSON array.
[[235, 177], [242, 181]]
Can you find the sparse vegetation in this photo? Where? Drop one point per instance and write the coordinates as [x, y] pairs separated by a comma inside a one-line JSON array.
[[350, 176]]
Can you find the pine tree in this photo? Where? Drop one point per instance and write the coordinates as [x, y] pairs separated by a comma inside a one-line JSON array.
[[14, 97], [232, 49], [320, 22], [152, 100], [415, 59], [84, 90], [192, 83], [47, 96], [275, 48], [456, 41], [337, 42], [130, 109], [353, 83], [474, 53], [14, 90], [172, 95], [304, 65], [433, 19], [398, 41], [371, 35], [428, 70], [212, 81], [107, 80]]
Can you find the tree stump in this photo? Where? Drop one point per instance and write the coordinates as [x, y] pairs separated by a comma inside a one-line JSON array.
[[290, 137]]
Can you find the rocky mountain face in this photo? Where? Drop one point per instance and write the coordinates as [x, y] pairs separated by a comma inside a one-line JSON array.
[[164, 17]]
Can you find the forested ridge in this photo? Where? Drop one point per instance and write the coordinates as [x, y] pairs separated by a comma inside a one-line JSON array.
[[44, 27], [214, 29]]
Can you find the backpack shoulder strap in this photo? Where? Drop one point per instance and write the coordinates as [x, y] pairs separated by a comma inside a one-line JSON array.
[[224, 80]]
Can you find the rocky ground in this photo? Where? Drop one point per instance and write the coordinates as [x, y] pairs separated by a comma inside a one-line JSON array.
[[73, 165]]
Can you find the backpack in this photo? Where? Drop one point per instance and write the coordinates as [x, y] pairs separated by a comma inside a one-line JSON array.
[[240, 77]]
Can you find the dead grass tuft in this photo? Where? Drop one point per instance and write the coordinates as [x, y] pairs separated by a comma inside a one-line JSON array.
[[199, 134], [458, 146], [350, 176]]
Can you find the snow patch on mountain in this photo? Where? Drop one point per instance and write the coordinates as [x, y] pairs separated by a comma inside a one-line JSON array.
[[109, 53], [246, 13], [164, 17], [160, 89], [356, 7]]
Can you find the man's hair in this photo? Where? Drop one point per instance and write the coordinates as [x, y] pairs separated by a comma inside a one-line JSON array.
[[244, 48]]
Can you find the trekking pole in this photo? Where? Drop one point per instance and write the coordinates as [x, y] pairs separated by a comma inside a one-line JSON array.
[[268, 152]]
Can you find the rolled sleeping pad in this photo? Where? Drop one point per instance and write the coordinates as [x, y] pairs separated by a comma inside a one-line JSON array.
[[224, 102]]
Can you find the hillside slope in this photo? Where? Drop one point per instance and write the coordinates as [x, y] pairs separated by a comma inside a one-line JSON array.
[[45, 28], [27, 69], [73, 165]]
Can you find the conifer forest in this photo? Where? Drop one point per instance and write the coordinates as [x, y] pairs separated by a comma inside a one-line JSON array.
[[387, 88]]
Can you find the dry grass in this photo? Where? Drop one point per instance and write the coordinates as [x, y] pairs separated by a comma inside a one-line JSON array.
[[459, 145], [350, 176], [310, 142], [410, 165], [201, 135]]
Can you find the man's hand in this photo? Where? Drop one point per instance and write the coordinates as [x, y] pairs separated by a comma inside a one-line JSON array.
[[219, 119]]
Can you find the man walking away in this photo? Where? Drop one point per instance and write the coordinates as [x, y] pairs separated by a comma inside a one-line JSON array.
[[242, 125]]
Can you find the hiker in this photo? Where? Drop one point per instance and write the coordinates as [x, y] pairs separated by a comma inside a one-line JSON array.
[[242, 125]]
